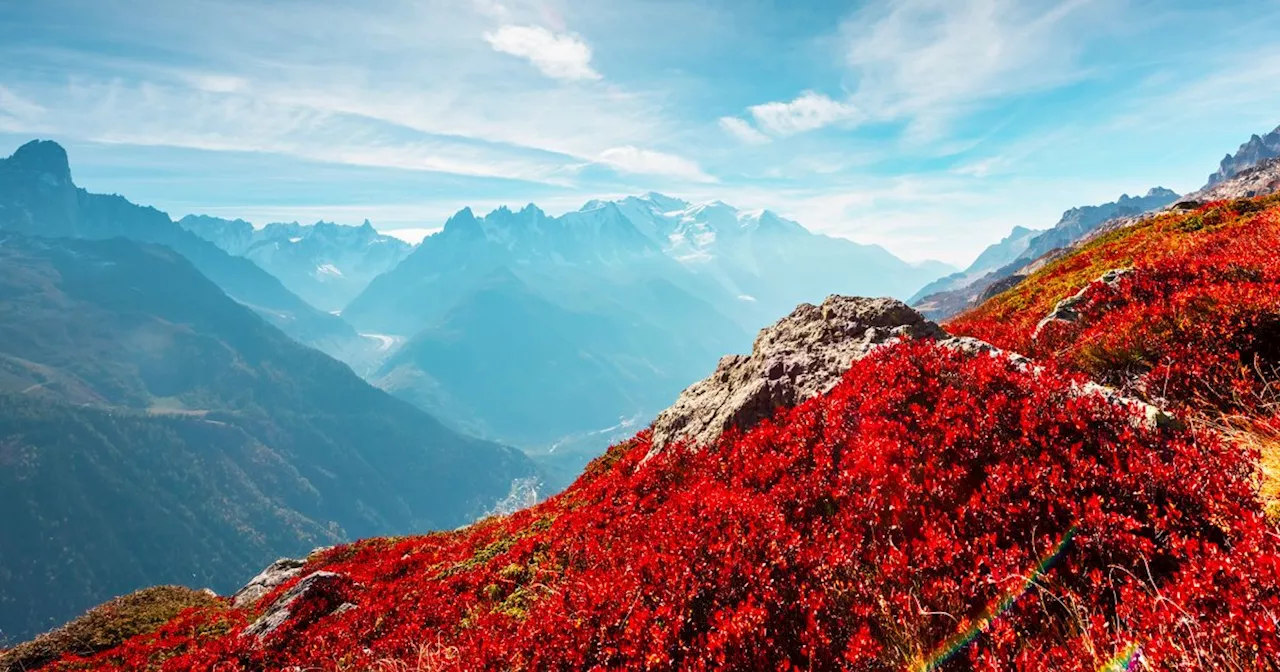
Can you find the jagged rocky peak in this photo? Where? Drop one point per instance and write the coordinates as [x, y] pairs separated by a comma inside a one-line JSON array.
[[1259, 148], [800, 356], [1261, 179], [43, 156], [664, 202], [462, 220]]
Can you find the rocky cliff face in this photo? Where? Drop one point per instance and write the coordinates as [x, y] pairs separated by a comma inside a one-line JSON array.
[[1257, 180], [1258, 149]]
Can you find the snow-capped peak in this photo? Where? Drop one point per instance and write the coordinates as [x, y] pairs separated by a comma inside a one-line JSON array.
[[665, 203]]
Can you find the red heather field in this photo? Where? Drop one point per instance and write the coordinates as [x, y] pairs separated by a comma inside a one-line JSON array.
[[1195, 327], [937, 510]]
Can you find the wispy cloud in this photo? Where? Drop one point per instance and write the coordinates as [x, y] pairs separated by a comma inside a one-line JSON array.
[[16, 112], [435, 91], [926, 60], [556, 56], [743, 130], [160, 115], [630, 159]]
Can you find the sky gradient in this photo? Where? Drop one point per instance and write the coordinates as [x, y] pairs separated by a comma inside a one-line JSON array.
[[931, 127]]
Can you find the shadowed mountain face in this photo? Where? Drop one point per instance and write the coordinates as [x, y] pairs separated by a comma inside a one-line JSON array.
[[38, 197], [326, 264], [539, 329], [152, 430]]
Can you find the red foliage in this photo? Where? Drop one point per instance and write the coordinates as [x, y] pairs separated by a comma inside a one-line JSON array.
[[936, 511], [1196, 325]]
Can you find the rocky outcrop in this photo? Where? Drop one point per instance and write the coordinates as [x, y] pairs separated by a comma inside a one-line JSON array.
[[803, 355], [276, 574], [806, 354], [1001, 286], [316, 587], [1065, 310]]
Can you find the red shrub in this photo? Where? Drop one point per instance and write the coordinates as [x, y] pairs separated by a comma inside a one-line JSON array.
[[935, 511]]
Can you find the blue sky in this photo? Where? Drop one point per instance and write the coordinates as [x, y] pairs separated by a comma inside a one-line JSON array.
[[928, 126]]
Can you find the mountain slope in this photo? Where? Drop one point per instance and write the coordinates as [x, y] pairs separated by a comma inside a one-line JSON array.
[[38, 197], [564, 371], [577, 324], [996, 255], [1075, 224], [246, 444], [326, 264]]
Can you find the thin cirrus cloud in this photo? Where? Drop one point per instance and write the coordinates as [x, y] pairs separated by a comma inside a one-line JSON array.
[[559, 56], [743, 130], [630, 159], [929, 61]]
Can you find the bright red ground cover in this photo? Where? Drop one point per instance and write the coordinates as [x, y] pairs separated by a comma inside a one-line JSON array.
[[936, 511], [1196, 325]]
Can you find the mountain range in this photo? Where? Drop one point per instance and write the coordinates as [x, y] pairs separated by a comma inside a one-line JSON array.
[[1009, 249], [950, 295], [153, 430], [544, 330], [326, 264]]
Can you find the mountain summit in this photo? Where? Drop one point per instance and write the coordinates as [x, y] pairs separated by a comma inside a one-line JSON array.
[[44, 157], [1257, 149], [37, 197]]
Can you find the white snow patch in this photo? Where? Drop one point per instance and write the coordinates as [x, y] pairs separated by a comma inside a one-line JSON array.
[[747, 297], [296, 240], [385, 341], [329, 269]]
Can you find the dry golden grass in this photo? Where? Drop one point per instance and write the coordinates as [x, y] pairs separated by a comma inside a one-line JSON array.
[[106, 626]]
